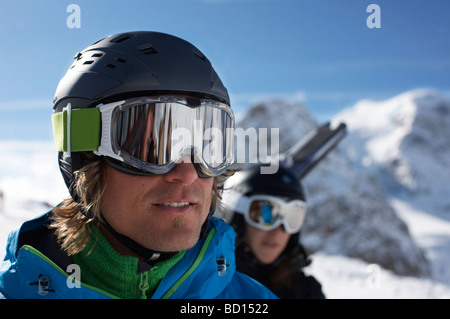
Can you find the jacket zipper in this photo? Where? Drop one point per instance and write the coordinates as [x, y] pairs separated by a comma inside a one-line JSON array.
[[143, 285]]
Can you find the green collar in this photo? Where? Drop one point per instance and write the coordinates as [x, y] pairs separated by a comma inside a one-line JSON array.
[[103, 267]]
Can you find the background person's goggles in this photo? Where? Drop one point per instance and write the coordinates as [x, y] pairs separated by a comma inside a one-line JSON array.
[[153, 134], [267, 212]]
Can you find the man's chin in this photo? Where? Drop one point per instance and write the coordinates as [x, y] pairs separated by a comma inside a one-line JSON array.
[[177, 240]]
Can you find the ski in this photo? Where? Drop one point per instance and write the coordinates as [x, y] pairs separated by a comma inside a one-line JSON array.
[[308, 152]]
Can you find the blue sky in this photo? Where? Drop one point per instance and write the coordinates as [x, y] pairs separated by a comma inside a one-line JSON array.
[[319, 50]]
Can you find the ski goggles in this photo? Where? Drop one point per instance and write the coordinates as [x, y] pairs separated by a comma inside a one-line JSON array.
[[267, 212], [152, 134]]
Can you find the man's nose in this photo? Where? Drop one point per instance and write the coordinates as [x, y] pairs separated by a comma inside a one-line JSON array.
[[184, 172]]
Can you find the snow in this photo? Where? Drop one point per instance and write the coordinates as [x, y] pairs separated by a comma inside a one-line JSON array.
[[431, 232], [403, 144], [29, 170], [348, 278], [30, 181], [345, 278], [406, 136]]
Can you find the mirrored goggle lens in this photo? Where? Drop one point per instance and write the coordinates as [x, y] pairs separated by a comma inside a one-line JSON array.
[[268, 214], [155, 136]]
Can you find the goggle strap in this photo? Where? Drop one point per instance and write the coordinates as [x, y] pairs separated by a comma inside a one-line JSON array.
[[77, 130]]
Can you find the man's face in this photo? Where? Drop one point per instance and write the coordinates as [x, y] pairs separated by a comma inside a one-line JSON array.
[[160, 212]]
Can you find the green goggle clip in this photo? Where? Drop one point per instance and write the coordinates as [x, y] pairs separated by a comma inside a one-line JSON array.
[[77, 130]]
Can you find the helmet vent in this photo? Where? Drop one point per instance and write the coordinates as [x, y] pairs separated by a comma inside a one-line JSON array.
[[88, 62], [110, 65], [120, 60], [147, 49], [121, 38], [96, 55]]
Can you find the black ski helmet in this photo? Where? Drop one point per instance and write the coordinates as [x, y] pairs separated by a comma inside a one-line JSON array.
[[284, 183], [128, 65]]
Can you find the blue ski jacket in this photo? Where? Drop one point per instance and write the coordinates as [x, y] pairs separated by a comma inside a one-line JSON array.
[[35, 267]]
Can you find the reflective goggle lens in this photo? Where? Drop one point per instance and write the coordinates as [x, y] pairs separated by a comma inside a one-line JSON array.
[[154, 134]]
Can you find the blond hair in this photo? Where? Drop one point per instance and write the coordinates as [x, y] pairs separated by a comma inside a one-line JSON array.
[[69, 221]]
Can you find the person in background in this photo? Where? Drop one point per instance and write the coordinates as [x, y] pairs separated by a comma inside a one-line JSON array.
[[267, 212]]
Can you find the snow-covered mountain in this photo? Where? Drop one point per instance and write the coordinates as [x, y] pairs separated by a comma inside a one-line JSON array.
[[397, 147], [292, 120], [404, 142]]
